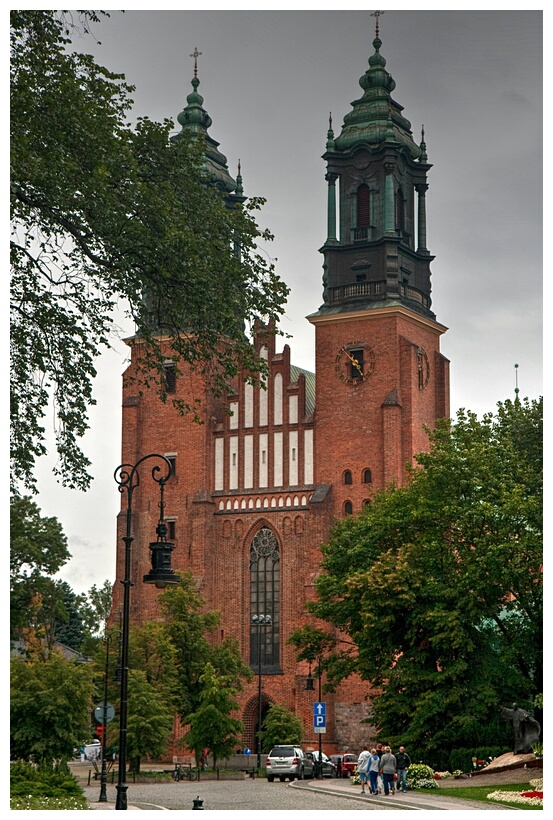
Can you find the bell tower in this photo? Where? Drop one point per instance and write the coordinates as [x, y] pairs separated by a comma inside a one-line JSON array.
[[380, 375]]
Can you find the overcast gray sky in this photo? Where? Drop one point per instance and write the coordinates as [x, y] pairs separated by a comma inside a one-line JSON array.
[[269, 80]]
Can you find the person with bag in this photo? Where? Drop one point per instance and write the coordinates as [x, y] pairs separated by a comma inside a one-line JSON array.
[[388, 768], [362, 768]]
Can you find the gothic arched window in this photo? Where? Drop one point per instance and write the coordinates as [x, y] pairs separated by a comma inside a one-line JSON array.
[[363, 207], [367, 477], [265, 600], [348, 508], [347, 477]]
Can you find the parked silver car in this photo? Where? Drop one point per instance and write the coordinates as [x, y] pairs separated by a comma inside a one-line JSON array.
[[328, 767], [288, 761]]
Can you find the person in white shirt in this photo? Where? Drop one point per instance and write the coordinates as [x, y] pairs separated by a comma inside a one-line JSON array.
[[363, 768]]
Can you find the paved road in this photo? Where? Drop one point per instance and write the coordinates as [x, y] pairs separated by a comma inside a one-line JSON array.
[[259, 795]]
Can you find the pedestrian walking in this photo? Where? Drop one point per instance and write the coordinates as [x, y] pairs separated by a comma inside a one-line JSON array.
[[363, 768], [380, 752], [403, 761], [374, 766], [388, 768]]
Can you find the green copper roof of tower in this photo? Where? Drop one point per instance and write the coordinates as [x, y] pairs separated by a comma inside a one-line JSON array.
[[195, 121], [369, 121]]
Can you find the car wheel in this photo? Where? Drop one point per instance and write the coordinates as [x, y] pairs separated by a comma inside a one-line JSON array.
[[270, 778], [348, 773]]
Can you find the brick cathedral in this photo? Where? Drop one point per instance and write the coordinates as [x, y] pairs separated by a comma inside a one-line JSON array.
[[255, 491]]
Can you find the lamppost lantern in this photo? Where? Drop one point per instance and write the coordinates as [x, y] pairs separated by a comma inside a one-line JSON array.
[[127, 477]]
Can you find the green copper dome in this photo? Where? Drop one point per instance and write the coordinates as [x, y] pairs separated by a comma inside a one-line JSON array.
[[376, 117], [195, 121]]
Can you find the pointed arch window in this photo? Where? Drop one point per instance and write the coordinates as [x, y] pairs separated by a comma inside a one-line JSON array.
[[265, 600], [367, 477], [363, 206], [348, 508], [347, 477]]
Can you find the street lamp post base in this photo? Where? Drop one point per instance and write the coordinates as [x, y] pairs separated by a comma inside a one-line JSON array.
[[121, 802]]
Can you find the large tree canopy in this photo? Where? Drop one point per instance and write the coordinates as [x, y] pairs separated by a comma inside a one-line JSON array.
[[103, 215], [439, 583]]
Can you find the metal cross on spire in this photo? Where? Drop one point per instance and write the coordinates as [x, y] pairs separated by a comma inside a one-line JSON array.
[[196, 54], [377, 14]]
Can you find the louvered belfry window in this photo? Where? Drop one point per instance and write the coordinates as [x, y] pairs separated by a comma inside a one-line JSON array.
[[363, 206]]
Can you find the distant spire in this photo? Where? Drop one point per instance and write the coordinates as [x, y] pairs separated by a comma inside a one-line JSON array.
[[330, 134], [196, 54], [377, 14], [423, 155], [516, 383], [239, 189]]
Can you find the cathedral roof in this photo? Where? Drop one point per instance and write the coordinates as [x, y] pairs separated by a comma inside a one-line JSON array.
[[295, 373], [376, 117]]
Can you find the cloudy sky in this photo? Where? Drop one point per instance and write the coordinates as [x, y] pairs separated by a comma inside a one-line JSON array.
[[269, 80]]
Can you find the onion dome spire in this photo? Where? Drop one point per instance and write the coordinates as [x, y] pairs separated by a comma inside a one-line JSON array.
[[195, 122], [376, 117]]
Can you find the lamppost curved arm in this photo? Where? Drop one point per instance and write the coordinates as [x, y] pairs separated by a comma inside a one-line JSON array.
[[127, 477]]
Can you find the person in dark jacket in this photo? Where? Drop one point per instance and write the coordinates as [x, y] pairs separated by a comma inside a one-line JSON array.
[[403, 761]]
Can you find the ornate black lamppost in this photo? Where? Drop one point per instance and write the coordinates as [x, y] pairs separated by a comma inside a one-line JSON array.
[[310, 687], [128, 478], [103, 777], [259, 621]]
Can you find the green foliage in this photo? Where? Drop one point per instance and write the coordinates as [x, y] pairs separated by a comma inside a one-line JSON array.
[[38, 549], [103, 215], [149, 721], [280, 726], [463, 759], [211, 726], [189, 629], [439, 584], [46, 779], [420, 776], [50, 708]]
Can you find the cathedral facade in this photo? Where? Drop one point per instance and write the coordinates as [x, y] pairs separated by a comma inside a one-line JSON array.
[[256, 488]]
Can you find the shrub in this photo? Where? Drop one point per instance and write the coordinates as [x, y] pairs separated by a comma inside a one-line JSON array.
[[420, 776], [43, 780]]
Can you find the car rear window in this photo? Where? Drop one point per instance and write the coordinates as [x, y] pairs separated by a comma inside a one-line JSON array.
[[282, 751]]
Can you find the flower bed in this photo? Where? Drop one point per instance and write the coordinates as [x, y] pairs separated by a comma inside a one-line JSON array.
[[534, 797]]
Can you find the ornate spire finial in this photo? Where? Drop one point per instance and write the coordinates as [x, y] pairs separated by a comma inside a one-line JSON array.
[[377, 14], [330, 121], [516, 383], [196, 54]]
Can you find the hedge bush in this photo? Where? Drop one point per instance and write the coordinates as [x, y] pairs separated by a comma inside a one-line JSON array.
[[43, 780], [462, 758]]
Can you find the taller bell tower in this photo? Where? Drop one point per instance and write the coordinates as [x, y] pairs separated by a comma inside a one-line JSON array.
[[380, 375]]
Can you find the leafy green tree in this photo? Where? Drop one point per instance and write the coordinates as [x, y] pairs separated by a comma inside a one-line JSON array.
[[152, 651], [149, 720], [50, 708], [211, 725], [439, 583], [280, 726], [190, 629], [38, 549], [105, 214], [95, 607]]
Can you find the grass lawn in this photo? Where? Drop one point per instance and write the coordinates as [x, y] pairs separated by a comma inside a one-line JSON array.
[[481, 793]]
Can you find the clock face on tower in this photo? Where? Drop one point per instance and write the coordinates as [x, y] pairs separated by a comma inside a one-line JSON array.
[[354, 362]]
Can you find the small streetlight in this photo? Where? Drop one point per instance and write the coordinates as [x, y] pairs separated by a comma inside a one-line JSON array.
[[259, 621], [127, 477]]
